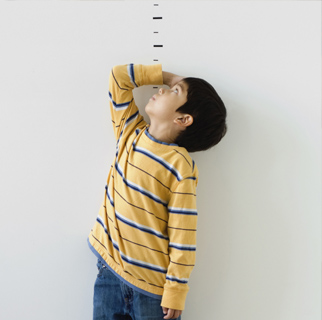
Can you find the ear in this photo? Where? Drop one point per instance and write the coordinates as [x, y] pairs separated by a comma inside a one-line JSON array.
[[184, 120]]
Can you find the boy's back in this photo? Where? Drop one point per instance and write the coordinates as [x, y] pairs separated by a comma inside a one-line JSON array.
[[146, 228]]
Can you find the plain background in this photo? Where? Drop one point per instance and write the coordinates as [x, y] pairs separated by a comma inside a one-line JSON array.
[[259, 227]]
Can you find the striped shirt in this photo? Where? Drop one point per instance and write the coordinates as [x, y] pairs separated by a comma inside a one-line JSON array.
[[145, 230]]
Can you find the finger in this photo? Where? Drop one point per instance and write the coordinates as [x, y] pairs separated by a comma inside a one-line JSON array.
[[177, 314], [165, 310], [169, 314]]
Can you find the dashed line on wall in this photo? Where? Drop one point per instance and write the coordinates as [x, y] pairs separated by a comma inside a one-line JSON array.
[[156, 32]]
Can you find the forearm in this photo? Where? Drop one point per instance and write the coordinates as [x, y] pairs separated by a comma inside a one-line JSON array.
[[122, 80], [170, 79]]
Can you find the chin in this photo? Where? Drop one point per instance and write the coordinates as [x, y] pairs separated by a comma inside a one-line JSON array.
[[146, 109]]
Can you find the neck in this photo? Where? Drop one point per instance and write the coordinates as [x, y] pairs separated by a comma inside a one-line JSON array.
[[162, 134]]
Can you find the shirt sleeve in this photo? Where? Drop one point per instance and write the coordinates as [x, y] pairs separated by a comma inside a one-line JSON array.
[[123, 79], [182, 227]]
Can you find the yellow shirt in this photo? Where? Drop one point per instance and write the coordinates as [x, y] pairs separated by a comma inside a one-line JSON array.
[[146, 227]]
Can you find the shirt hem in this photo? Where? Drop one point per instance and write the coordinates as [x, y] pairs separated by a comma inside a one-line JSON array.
[[152, 295]]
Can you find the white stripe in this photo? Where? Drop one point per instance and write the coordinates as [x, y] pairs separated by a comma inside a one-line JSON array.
[[110, 198], [127, 257], [105, 228], [179, 245], [176, 278], [137, 186], [127, 123], [119, 108], [140, 226], [129, 73], [182, 209], [102, 222], [142, 262], [146, 191]]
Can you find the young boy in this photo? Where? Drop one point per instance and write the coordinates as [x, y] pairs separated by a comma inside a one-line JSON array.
[[145, 232]]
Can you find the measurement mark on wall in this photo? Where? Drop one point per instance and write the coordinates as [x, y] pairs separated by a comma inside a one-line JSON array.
[[156, 32]]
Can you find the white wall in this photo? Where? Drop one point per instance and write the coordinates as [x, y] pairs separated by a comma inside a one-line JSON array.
[[259, 192]]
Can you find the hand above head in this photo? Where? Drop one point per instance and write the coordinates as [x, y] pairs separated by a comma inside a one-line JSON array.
[[170, 79]]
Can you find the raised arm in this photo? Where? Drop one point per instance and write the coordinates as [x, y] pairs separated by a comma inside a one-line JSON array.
[[123, 79]]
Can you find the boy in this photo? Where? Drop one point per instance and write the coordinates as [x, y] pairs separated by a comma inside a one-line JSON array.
[[145, 232]]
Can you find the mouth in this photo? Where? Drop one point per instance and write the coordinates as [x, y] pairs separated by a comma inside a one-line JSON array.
[[153, 97]]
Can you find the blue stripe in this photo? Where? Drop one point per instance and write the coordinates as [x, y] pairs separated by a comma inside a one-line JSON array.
[[119, 106], [109, 197], [157, 159], [100, 221], [158, 141], [182, 211], [142, 265], [131, 70], [129, 259], [137, 188], [176, 279], [102, 224], [128, 283], [131, 117], [182, 247], [142, 228], [118, 141], [135, 262]]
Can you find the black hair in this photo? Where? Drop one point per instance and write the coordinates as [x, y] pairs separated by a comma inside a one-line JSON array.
[[209, 116]]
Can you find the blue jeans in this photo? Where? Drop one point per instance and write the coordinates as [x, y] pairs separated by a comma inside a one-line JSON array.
[[114, 300]]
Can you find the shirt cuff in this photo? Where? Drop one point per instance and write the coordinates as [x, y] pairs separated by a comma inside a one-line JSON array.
[[173, 299]]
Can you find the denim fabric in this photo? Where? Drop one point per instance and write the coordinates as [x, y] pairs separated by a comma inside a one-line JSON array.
[[114, 300]]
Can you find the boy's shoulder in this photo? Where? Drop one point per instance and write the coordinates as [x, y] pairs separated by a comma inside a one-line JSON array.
[[183, 162], [183, 155], [171, 156]]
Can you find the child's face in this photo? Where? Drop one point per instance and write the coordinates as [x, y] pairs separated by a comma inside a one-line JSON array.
[[162, 107]]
